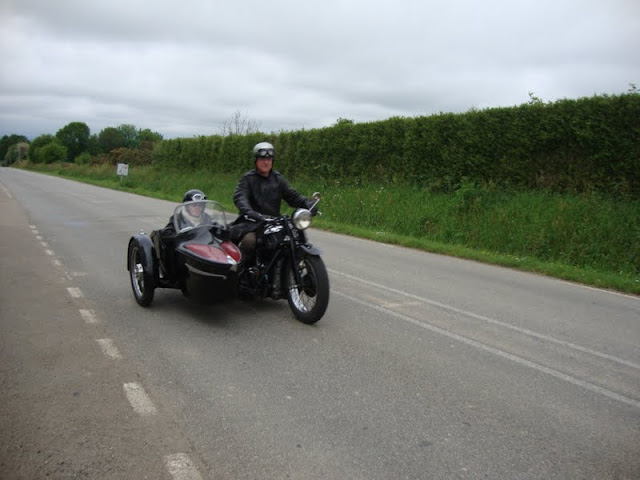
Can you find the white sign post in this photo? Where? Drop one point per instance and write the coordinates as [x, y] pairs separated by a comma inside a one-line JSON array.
[[122, 170]]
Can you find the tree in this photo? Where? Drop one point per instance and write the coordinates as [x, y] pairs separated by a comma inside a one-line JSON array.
[[129, 135], [37, 144], [110, 138], [93, 147], [53, 152], [9, 140], [147, 135], [16, 152], [75, 137], [239, 124]]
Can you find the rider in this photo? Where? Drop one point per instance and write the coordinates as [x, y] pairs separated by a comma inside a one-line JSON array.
[[259, 192]]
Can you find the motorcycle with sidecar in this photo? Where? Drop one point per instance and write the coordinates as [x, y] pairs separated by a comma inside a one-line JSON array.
[[205, 262]]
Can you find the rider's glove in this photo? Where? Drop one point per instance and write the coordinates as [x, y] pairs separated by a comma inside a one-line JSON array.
[[255, 216]]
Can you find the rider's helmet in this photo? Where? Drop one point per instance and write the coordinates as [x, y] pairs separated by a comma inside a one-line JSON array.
[[263, 149], [193, 195], [193, 212]]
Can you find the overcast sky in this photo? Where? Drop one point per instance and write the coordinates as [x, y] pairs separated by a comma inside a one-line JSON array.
[[183, 67]]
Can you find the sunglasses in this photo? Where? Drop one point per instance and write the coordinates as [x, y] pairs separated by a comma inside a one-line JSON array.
[[265, 153], [196, 197]]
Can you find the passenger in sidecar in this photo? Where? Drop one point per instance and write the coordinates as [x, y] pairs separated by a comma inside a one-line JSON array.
[[192, 253]]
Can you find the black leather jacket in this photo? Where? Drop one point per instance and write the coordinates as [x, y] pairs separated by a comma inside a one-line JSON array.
[[256, 195]]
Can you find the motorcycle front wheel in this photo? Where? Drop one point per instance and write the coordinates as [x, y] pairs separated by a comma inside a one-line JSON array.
[[309, 300]]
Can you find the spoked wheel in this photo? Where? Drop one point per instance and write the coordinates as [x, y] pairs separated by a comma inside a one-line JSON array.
[[310, 299], [141, 276]]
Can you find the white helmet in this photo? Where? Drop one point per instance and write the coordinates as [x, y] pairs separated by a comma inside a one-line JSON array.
[[263, 149]]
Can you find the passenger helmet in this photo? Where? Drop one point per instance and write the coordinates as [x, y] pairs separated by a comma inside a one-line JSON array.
[[263, 149], [194, 195]]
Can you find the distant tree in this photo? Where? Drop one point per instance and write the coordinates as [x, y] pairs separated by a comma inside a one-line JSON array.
[[75, 137], [93, 147], [239, 124], [129, 135], [53, 152], [16, 152], [7, 140], [37, 144], [109, 139], [147, 135]]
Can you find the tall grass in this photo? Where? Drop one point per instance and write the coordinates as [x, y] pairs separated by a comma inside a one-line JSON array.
[[580, 230], [588, 237]]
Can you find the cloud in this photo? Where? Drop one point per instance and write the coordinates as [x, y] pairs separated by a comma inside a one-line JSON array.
[[182, 68]]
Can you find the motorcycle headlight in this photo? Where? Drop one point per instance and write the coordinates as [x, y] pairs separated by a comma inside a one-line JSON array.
[[302, 219]]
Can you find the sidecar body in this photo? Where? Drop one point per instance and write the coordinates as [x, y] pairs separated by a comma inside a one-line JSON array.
[[192, 253]]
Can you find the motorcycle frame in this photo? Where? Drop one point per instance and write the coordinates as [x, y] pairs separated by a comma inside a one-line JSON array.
[[291, 253]]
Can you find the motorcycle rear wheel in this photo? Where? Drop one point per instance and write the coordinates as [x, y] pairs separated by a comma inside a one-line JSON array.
[[310, 300], [142, 282]]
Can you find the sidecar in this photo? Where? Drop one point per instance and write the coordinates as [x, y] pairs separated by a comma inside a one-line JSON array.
[[192, 254]]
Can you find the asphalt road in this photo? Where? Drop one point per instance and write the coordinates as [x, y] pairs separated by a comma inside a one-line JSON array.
[[424, 367]]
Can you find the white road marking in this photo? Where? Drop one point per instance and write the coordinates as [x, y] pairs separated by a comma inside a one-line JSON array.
[[180, 467], [88, 316], [49, 252], [57, 262], [492, 321], [500, 353], [109, 348], [139, 399], [74, 292]]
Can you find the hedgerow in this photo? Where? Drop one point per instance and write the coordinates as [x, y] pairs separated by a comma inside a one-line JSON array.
[[591, 144]]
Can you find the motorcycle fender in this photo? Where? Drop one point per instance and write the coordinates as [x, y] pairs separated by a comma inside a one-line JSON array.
[[308, 250], [148, 250]]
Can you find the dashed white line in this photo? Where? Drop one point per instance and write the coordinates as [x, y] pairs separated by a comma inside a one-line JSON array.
[[109, 348], [88, 316], [74, 292], [139, 399], [180, 467], [49, 252]]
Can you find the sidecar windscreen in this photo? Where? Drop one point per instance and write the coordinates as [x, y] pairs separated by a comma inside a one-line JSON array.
[[194, 214]]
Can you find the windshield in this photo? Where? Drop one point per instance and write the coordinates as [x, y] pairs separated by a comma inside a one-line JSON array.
[[198, 213]]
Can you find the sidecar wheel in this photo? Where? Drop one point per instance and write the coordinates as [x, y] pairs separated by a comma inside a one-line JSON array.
[[141, 274], [309, 300]]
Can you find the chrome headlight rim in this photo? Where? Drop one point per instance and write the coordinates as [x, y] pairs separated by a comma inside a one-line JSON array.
[[302, 219]]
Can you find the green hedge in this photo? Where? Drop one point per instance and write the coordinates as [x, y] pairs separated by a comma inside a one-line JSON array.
[[585, 145]]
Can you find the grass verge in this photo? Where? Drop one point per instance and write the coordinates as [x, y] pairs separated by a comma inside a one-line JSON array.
[[587, 239]]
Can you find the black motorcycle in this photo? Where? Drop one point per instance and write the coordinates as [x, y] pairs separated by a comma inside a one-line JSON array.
[[207, 266], [288, 266]]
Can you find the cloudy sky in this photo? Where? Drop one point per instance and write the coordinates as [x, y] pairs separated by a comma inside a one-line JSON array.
[[184, 67]]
